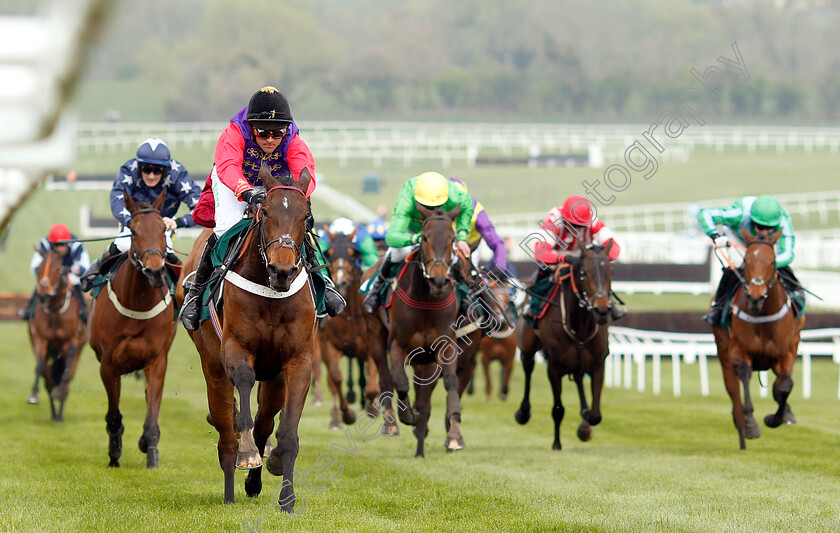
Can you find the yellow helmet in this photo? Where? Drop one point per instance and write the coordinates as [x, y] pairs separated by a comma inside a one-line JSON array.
[[431, 189]]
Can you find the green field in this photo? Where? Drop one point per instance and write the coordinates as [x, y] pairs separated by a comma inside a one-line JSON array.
[[656, 463]]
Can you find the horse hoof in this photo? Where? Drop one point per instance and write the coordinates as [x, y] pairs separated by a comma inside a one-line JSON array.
[[556, 446], [274, 465], [268, 448], [348, 417], [152, 458], [209, 419], [58, 419], [391, 430], [143, 445], [32, 400], [335, 425], [318, 402], [409, 417], [502, 396], [248, 461], [522, 416], [584, 432], [752, 431], [253, 486], [114, 463], [351, 396], [453, 445]]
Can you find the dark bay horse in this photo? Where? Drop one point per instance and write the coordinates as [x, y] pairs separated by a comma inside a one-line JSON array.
[[132, 326], [267, 335], [764, 335], [346, 334], [421, 317], [573, 336], [56, 332]]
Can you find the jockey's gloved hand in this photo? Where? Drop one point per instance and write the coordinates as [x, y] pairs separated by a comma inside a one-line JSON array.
[[721, 241], [254, 197], [573, 260]]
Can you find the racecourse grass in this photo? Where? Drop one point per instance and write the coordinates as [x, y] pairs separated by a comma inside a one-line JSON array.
[[656, 463]]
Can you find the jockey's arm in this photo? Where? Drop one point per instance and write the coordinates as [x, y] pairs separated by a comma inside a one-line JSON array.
[[370, 255], [124, 177], [188, 193], [551, 250], [228, 158], [601, 234], [399, 235], [784, 245], [463, 221], [488, 233], [81, 259], [710, 217]]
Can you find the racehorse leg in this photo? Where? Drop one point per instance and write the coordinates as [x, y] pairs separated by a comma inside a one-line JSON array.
[[425, 379], [371, 387], [488, 385], [398, 357], [155, 375], [113, 419], [507, 370], [220, 401], [523, 414], [781, 391], [296, 377], [555, 376], [351, 394], [332, 358], [40, 349], [751, 429], [243, 377], [378, 336], [454, 439], [270, 398], [71, 358], [584, 430], [317, 396], [730, 380], [362, 382]]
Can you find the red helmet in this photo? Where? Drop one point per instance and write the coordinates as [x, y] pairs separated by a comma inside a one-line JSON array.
[[59, 232], [576, 209]]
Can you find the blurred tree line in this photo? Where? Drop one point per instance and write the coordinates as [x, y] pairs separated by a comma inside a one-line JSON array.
[[575, 60]]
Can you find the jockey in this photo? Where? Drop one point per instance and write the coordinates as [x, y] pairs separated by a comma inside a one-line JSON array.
[[143, 178], [361, 240], [429, 189], [74, 258], [482, 228], [378, 229], [762, 215], [564, 228], [264, 131]]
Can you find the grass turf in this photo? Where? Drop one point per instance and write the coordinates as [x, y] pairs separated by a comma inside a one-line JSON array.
[[656, 463]]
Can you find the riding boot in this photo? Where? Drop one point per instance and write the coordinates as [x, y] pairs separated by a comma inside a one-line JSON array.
[[191, 310], [24, 313], [334, 302], [86, 281], [529, 313], [722, 295], [80, 301], [173, 266], [794, 288], [372, 300]]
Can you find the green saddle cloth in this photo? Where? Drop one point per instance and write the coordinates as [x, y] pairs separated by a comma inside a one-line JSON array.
[[542, 288], [220, 251]]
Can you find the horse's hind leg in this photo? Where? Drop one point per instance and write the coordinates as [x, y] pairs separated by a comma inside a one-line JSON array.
[[221, 403], [271, 396], [488, 385], [781, 391], [555, 376], [371, 387], [113, 419], [332, 357], [155, 374]]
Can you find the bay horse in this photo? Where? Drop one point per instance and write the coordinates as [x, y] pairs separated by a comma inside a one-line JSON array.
[[56, 332], [421, 317], [499, 346], [132, 326], [267, 334], [346, 334], [573, 335], [764, 335]]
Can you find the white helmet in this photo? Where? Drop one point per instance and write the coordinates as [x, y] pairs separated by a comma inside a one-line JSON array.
[[342, 225]]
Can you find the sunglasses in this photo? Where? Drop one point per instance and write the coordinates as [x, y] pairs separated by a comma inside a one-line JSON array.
[[265, 134], [151, 169]]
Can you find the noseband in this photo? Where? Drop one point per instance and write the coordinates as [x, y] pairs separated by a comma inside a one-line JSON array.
[[761, 282], [138, 259], [447, 263], [283, 241], [579, 288]]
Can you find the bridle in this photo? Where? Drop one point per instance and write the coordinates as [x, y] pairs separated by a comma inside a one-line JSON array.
[[446, 262], [584, 298], [138, 259], [61, 283], [343, 264], [760, 282], [283, 241]]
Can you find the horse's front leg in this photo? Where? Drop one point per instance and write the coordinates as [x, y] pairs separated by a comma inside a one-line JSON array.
[[296, 376], [113, 419], [744, 372], [447, 358], [398, 361], [40, 350], [222, 406], [271, 395], [332, 359], [527, 351], [555, 376], [61, 390], [781, 390], [155, 375], [425, 379], [377, 344], [239, 367], [371, 386]]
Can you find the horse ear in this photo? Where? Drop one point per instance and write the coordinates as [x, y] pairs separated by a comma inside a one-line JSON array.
[[748, 237], [267, 179], [775, 236], [609, 246], [159, 201], [454, 213], [129, 203], [425, 211], [303, 181], [353, 235], [328, 233]]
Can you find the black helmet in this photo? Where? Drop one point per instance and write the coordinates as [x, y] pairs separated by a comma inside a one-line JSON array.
[[270, 106]]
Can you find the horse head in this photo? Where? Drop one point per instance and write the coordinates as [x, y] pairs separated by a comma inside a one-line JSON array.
[[344, 262], [759, 267], [437, 238], [282, 220], [52, 276], [148, 239], [593, 279]]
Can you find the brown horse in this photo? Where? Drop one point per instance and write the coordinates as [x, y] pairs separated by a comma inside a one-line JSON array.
[[346, 334], [421, 317], [764, 335], [56, 332], [267, 335], [132, 326], [499, 346], [573, 336]]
